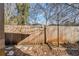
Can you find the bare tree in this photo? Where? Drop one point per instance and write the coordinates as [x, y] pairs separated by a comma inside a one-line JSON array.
[[46, 11], [54, 14]]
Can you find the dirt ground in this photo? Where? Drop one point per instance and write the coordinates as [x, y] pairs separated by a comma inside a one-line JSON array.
[[40, 50]]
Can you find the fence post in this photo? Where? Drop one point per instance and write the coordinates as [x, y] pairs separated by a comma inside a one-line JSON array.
[[2, 40]]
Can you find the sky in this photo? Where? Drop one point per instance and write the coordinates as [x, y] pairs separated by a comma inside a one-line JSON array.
[[67, 13]]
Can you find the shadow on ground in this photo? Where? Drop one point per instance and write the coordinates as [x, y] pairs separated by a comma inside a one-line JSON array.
[[14, 38], [18, 52], [72, 49], [13, 51]]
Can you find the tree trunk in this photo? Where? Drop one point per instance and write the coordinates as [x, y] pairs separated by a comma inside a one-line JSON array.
[[45, 34]]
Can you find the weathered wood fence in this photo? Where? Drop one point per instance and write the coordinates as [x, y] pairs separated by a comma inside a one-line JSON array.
[[1, 26], [29, 34]]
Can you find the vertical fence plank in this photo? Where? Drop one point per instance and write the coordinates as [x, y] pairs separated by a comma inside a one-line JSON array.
[[2, 41]]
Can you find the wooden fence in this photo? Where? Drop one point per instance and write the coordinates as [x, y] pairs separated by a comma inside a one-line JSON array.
[[35, 35]]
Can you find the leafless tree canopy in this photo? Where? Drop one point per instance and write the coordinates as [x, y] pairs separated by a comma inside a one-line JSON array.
[[48, 13], [65, 14]]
